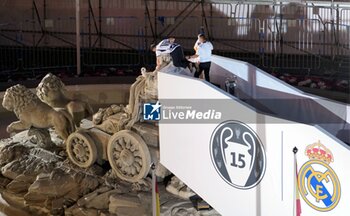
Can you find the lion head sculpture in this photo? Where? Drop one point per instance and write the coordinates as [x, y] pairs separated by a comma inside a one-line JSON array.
[[17, 98], [51, 88]]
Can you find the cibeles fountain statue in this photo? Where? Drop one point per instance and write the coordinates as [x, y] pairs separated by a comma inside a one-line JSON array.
[[98, 166], [31, 112], [52, 91]]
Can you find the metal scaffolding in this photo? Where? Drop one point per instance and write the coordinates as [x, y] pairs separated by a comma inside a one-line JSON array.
[[304, 36]]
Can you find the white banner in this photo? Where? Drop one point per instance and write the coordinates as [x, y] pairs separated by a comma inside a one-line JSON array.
[[245, 167]]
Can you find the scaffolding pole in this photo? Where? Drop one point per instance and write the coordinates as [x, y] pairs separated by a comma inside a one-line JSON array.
[[77, 24]]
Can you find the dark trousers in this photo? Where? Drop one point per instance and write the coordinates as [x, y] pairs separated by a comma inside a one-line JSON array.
[[203, 67]]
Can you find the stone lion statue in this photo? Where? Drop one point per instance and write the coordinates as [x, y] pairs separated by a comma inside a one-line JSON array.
[[52, 91], [31, 112]]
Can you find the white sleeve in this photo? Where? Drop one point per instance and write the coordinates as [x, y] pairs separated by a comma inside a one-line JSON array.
[[211, 46]]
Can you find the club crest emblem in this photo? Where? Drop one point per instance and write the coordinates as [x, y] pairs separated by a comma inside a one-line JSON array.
[[237, 154], [318, 183]]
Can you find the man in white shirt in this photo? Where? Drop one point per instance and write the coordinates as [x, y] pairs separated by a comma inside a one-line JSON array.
[[204, 51]]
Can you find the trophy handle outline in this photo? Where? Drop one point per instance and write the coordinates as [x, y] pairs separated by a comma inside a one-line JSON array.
[[250, 146], [226, 141]]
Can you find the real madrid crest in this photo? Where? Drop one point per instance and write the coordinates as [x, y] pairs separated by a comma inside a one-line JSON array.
[[318, 183], [238, 154]]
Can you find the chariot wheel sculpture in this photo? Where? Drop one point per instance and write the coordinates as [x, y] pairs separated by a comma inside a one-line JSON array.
[[81, 149], [128, 156]]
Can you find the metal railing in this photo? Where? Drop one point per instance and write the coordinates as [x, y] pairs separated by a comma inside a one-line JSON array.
[[291, 43], [241, 38]]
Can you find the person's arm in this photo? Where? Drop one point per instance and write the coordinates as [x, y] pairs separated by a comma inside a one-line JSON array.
[[158, 62], [196, 56], [195, 47]]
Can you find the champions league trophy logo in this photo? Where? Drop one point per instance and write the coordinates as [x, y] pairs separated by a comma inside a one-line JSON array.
[[238, 155]]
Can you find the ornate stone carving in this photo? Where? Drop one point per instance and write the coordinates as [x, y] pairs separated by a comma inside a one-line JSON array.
[[144, 89], [129, 156], [111, 119], [32, 112], [81, 149], [122, 137], [41, 137], [178, 188], [52, 91], [118, 117]]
